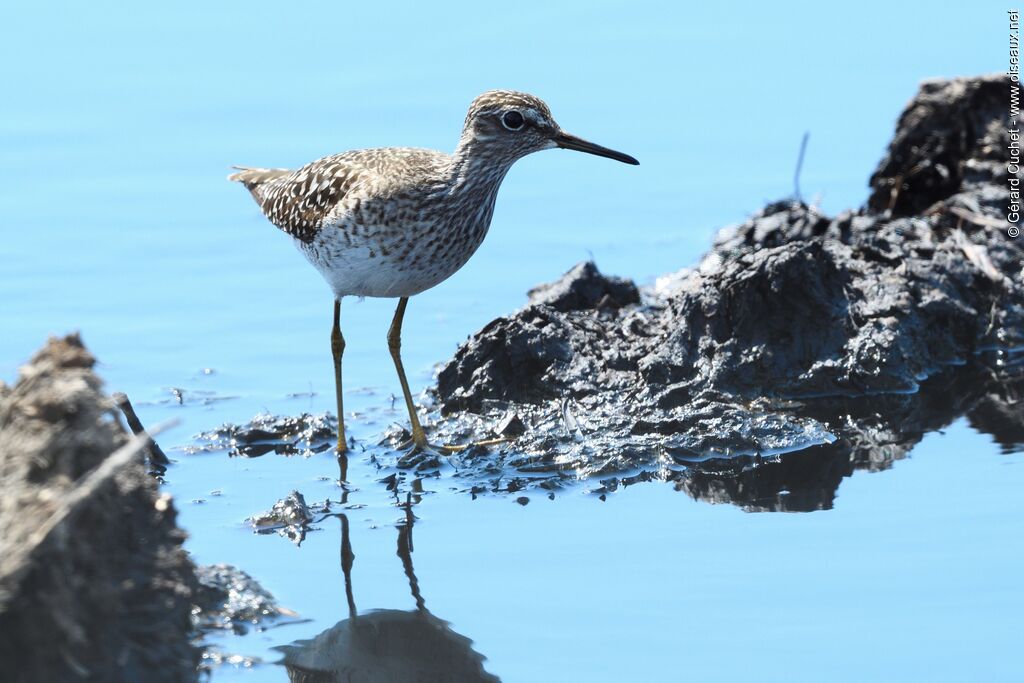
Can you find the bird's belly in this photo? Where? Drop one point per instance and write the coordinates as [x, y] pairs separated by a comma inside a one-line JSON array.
[[372, 262]]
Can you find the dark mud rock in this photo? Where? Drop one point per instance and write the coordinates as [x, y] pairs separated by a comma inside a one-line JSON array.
[[952, 134], [778, 223], [584, 287], [765, 317], [302, 434], [561, 344], [107, 593], [230, 599], [289, 511], [290, 517], [790, 310]]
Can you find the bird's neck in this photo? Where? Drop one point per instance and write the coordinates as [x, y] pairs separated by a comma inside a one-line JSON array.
[[475, 167], [470, 190]]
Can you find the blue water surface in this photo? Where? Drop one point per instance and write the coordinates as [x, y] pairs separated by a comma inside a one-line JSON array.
[[119, 123]]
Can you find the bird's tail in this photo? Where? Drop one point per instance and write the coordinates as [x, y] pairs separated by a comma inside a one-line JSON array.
[[252, 178]]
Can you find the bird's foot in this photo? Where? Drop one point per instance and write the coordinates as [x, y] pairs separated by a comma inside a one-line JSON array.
[[483, 443], [420, 445]]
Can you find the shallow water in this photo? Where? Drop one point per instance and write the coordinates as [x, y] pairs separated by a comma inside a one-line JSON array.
[[912, 576], [116, 133]]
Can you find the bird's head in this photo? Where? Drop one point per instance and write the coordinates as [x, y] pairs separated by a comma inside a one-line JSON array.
[[506, 125]]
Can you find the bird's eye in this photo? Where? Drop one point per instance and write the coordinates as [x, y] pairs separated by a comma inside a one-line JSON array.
[[512, 120]]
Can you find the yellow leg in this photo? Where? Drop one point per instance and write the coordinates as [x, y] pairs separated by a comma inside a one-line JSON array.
[[338, 348], [419, 439]]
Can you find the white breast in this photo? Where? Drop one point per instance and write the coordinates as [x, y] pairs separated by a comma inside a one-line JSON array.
[[370, 264]]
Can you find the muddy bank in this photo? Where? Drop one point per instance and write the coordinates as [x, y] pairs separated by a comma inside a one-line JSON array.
[[790, 314], [107, 593], [94, 582]]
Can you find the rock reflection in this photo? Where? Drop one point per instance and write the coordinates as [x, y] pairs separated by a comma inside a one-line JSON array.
[[877, 431], [388, 645]]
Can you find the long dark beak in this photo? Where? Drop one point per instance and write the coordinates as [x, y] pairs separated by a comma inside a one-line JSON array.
[[566, 141]]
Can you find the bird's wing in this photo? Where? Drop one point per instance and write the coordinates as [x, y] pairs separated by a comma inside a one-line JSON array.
[[299, 201]]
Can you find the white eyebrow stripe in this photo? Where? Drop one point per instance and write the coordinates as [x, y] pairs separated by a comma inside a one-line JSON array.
[[534, 115]]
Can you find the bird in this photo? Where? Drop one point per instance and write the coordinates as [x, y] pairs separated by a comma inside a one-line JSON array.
[[392, 222]]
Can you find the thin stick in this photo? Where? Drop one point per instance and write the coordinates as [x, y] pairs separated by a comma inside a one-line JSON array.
[[135, 424], [799, 167]]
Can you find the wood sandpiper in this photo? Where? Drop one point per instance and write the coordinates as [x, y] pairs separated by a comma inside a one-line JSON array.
[[396, 221]]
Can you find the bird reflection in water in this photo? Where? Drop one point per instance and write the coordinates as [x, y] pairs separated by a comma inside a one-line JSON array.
[[396, 646]]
